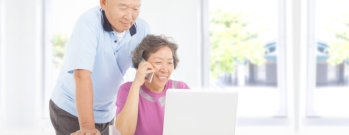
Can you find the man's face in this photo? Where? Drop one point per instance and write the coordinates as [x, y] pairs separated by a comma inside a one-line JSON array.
[[121, 14]]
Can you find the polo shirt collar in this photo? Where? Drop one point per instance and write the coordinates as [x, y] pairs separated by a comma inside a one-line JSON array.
[[107, 26]]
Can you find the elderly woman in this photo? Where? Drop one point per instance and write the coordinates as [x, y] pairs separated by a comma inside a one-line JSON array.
[[140, 104]]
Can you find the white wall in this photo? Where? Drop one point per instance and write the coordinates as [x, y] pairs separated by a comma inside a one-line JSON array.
[[21, 57], [1, 62], [179, 19]]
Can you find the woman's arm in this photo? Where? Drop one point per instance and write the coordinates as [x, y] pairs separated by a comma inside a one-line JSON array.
[[126, 121]]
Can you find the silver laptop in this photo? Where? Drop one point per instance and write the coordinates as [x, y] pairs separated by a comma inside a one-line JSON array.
[[200, 112]]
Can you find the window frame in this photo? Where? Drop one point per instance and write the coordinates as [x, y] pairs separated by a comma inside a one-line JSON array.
[[47, 53], [1, 60], [310, 110], [281, 62]]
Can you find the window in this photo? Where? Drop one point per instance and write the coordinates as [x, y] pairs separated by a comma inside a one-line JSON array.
[[328, 90], [246, 53]]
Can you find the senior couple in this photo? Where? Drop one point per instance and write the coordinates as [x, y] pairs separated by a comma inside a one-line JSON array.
[[89, 96]]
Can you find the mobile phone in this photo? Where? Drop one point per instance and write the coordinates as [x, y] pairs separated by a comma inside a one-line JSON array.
[[149, 76]]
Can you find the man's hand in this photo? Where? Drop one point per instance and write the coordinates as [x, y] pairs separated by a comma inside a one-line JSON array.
[[93, 131]]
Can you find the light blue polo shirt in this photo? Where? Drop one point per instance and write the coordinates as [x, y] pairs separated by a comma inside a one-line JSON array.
[[94, 46]]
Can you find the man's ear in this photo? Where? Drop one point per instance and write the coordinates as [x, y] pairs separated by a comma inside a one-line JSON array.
[[103, 4]]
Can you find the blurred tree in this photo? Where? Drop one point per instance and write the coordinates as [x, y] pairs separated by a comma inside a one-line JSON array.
[[339, 48], [232, 42], [58, 41]]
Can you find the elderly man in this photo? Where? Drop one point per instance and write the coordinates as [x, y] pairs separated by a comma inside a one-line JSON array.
[[98, 55]]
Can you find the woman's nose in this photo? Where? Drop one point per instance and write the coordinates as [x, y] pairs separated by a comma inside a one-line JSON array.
[[162, 68]]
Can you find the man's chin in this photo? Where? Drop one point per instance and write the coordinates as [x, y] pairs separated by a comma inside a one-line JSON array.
[[126, 28], [123, 28]]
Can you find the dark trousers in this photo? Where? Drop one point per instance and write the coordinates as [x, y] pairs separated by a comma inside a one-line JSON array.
[[65, 123]]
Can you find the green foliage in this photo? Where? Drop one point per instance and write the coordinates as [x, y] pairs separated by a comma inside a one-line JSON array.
[[233, 42], [338, 51], [339, 48], [58, 46]]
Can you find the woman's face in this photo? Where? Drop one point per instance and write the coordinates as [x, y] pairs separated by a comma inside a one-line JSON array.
[[162, 62]]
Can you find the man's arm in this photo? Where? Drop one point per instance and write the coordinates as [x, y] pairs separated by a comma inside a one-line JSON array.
[[84, 101]]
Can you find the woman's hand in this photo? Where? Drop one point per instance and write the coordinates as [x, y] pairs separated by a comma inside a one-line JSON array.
[[143, 69]]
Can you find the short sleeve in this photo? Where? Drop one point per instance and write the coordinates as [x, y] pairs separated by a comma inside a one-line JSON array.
[[122, 96], [146, 29], [182, 85], [82, 45]]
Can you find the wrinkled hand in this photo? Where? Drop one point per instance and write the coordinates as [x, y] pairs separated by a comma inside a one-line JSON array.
[[87, 132], [143, 69]]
